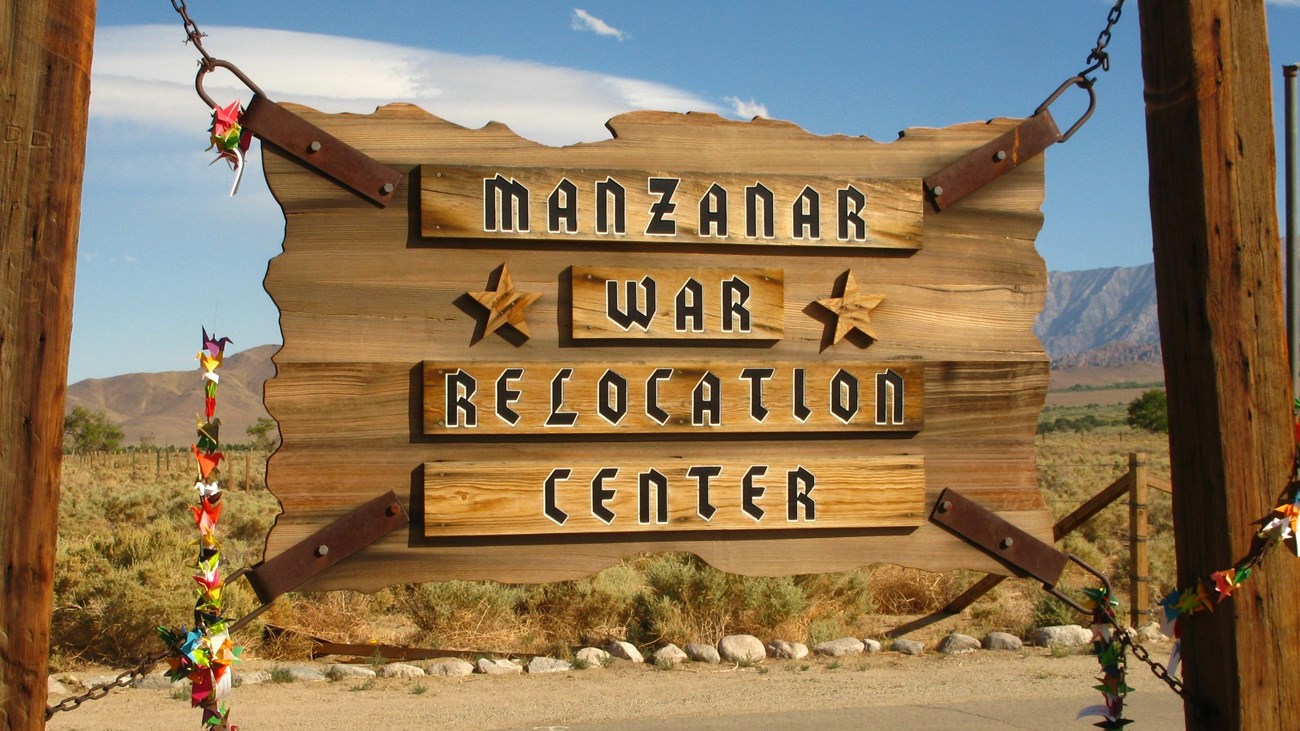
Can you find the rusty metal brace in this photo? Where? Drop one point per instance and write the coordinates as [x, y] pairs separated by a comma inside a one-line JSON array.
[[311, 145], [1023, 554], [1007, 152], [304, 560]]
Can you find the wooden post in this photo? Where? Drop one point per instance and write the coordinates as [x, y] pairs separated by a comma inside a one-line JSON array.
[[248, 471], [44, 98], [1139, 592], [1219, 290]]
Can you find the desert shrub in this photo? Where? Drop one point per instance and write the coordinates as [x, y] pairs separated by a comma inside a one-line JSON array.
[[465, 614]]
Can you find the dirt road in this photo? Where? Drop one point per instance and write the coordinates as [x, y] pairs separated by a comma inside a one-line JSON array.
[[983, 690]]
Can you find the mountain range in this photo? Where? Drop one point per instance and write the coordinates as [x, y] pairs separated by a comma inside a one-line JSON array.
[[1097, 318]]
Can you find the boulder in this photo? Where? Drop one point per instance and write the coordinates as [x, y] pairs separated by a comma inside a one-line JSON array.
[[907, 647], [1150, 632], [703, 653], [957, 644], [548, 665], [625, 651], [669, 655], [593, 657], [448, 667], [158, 681], [872, 646], [400, 670], [841, 647], [497, 667], [1064, 635], [741, 648], [787, 650], [1001, 641]]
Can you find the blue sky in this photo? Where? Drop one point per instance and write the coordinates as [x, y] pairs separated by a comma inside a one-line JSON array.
[[164, 249]]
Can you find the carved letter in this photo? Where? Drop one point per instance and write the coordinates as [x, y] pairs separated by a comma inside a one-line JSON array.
[[659, 224], [461, 387], [889, 384], [807, 215], [689, 305], [611, 397], [645, 481], [562, 208], [844, 395], [652, 409], [757, 411], [735, 294], [505, 205], [851, 203], [753, 194], [608, 191], [800, 399], [713, 212], [600, 495], [749, 492], [557, 417], [548, 495], [507, 395], [706, 401], [636, 313], [704, 508], [794, 496]]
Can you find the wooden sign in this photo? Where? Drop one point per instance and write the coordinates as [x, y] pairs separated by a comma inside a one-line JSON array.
[[735, 339]]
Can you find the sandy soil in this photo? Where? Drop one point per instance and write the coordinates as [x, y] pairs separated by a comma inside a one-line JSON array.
[[686, 697]]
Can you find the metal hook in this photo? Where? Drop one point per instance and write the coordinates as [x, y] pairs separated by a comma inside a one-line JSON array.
[[1083, 82], [205, 68]]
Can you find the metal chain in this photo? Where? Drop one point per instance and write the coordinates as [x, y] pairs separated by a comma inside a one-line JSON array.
[[1098, 58], [101, 690], [195, 36], [1141, 653]]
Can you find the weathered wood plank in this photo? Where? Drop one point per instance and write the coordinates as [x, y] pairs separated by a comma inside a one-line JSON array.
[[554, 203], [644, 495], [623, 303], [605, 399]]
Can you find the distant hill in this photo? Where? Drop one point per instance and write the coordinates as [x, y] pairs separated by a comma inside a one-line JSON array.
[[1095, 319], [164, 405], [1100, 317]]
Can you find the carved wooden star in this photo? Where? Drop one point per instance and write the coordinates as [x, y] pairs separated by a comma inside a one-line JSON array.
[[505, 305], [852, 309]]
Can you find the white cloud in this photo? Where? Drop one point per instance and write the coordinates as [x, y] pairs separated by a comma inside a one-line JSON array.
[[584, 21], [144, 75], [746, 109]]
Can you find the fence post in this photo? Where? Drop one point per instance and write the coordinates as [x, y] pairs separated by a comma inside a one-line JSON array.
[[248, 471], [1139, 593]]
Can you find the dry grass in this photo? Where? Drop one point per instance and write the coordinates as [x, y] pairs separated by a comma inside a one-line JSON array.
[[124, 546]]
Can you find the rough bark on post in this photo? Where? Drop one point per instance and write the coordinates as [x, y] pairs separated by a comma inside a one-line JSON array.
[[44, 98], [1219, 291]]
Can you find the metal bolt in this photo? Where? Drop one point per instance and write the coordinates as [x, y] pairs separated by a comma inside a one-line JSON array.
[[442, 423], [937, 191], [1007, 543], [322, 550], [388, 188], [945, 506], [393, 509], [1000, 155], [313, 147]]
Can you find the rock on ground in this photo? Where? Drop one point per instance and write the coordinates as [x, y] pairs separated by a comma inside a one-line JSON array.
[[907, 647], [497, 667], [625, 651], [1150, 633], [255, 677], [670, 655], [788, 650], [703, 653], [548, 665], [1002, 641], [872, 646], [957, 644], [593, 657], [1065, 635], [57, 688], [158, 681], [841, 647], [400, 670], [343, 670], [304, 673], [448, 667], [741, 648]]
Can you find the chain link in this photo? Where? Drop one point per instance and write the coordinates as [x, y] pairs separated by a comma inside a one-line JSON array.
[[1098, 58], [1142, 654], [101, 690], [196, 36]]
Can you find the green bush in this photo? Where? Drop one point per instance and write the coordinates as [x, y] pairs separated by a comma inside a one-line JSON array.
[[1150, 411]]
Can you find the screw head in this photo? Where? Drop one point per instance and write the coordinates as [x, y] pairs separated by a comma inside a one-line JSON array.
[[1007, 543], [322, 550], [388, 188], [1000, 155], [945, 506], [313, 147], [393, 509], [937, 191]]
